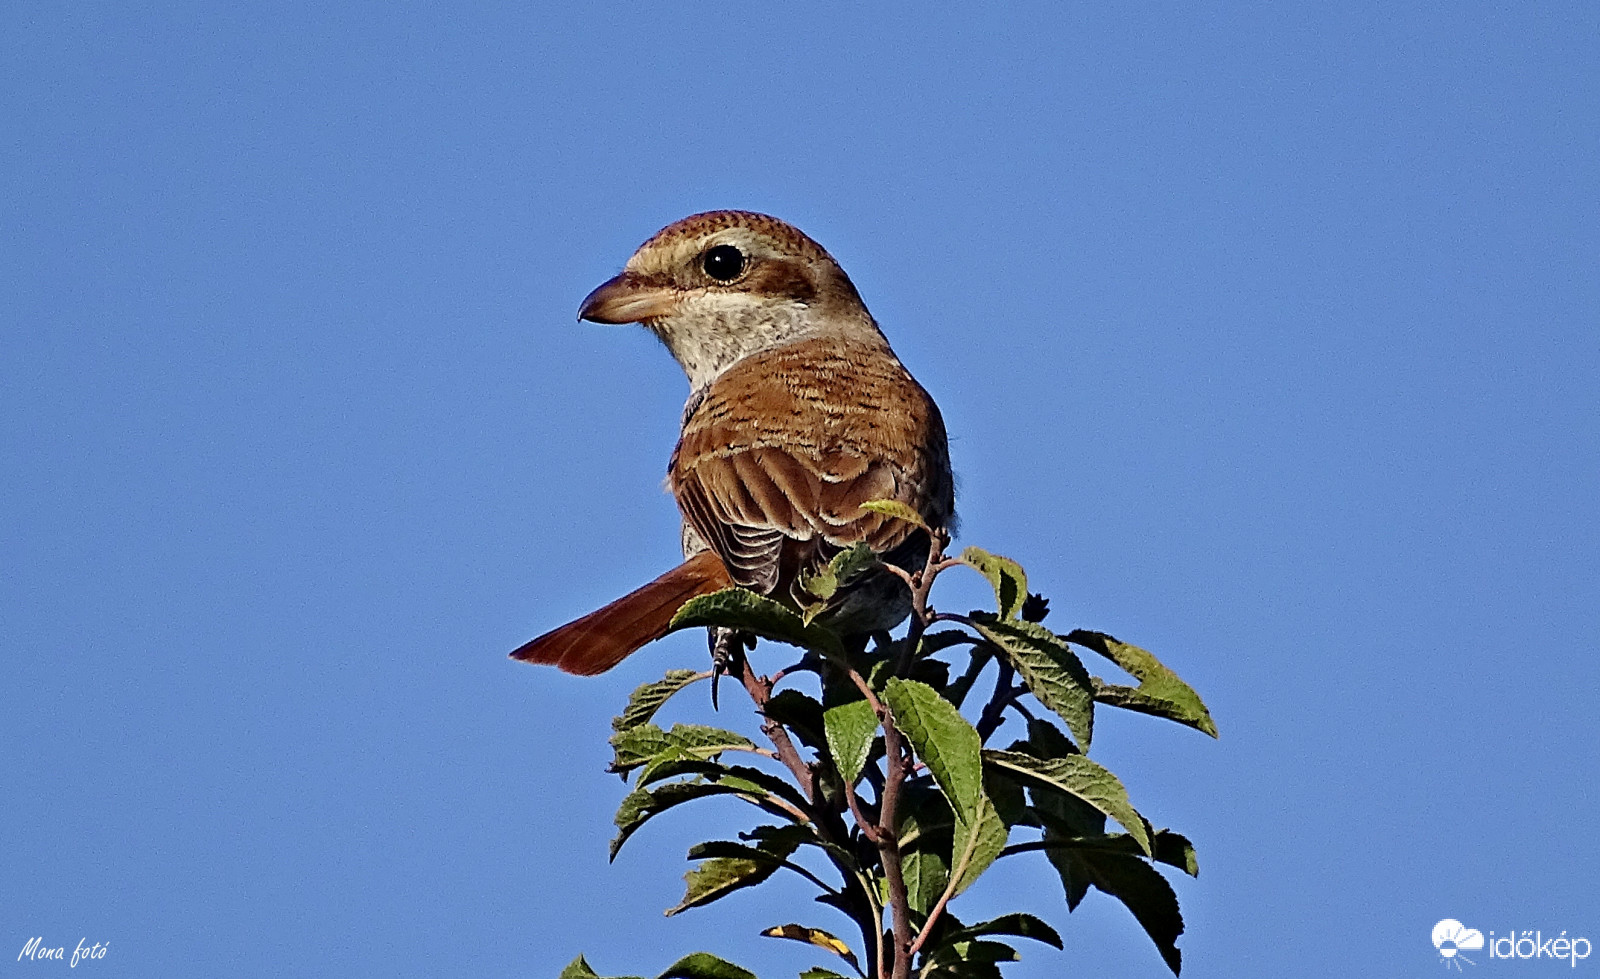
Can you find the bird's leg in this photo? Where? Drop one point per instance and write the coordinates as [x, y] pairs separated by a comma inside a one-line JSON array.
[[727, 647]]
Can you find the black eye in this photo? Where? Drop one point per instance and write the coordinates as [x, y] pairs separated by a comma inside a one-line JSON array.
[[723, 263]]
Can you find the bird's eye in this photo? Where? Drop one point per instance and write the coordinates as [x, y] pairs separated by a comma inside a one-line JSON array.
[[723, 262]]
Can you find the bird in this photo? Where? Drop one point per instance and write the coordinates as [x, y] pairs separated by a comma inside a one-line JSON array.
[[798, 413]]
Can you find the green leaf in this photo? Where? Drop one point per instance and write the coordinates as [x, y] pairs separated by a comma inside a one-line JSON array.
[[1132, 881], [718, 877], [1009, 581], [703, 965], [951, 749], [839, 571], [730, 866], [647, 699], [897, 510], [1081, 778], [969, 959], [754, 779], [821, 974], [799, 713], [926, 872], [976, 844], [850, 729], [1021, 925], [644, 803], [1172, 849], [962, 970], [943, 739], [1160, 692], [933, 642], [738, 608], [923, 827], [785, 840], [1045, 740], [1053, 673], [1008, 798], [817, 937], [645, 743], [579, 969], [968, 950]]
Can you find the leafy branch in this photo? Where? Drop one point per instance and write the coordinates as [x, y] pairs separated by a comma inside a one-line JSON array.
[[887, 798]]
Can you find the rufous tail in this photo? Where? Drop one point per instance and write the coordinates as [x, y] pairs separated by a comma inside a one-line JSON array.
[[606, 637]]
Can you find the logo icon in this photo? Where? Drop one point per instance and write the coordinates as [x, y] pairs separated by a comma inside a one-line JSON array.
[[1451, 938]]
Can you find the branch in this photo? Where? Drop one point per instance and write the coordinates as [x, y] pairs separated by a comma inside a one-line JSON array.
[[760, 690]]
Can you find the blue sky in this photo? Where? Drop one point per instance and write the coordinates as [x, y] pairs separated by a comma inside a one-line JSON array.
[[1268, 337]]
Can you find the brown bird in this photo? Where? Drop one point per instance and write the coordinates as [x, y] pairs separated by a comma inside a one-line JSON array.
[[798, 413]]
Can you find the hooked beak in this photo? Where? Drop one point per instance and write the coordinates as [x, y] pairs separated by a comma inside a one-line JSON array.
[[628, 298]]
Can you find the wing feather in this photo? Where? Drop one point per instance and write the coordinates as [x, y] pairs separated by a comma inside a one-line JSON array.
[[784, 447]]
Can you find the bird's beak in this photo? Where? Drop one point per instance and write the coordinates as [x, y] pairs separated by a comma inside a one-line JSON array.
[[628, 298]]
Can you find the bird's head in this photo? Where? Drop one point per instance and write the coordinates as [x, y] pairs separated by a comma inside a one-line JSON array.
[[720, 286]]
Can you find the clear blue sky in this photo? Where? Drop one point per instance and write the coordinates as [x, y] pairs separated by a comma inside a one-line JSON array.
[[1268, 338]]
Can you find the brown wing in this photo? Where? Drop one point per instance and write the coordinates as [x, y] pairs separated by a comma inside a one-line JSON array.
[[776, 460]]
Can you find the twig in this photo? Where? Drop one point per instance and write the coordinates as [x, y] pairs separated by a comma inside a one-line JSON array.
[[868, 828], [994, 711], [889, 848], [760, 690]]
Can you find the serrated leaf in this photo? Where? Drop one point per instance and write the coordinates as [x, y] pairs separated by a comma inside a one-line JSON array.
[[718, 877], [976, 844], [821, 974], [742, 776], [933, 642], [1081, 778], [730, 866], [926, 873], [738, 608], [704, 965], [969, 950], [1170, 848], [647, 742], [1161, 692], [1009, 580], [801, 714], [579, 969], [1175, 850], [1021, 925], [1045, 740], [850, 729], [897, 510], [645, 803], [814, 936], [924, 812], [1053, 673], [647, 699], [1132, 881], [943, 739], [957, 969], [1008, 798], [845, 565], [923, 827], [785, 840]]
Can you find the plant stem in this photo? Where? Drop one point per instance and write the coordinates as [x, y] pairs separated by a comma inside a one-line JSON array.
[[889, 848], [760, 690], [994, 711]]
